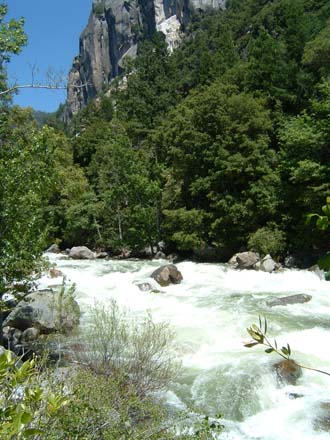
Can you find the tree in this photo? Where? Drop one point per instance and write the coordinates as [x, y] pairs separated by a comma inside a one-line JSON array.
[[216, 148], [125, 191], [12, 39]]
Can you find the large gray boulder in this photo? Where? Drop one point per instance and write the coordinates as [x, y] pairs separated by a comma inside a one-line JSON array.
[[166, 275], [287, 372], [299, 298], [46, 311], [247, 260], [81, 253]]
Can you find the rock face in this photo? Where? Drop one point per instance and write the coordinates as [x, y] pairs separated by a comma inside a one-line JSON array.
[[42, 311], [81, 253], [111, 35], [299, 298], [288, 372], [167, 275]]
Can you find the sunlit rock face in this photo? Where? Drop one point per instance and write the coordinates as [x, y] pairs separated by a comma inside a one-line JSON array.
[[111, 35]]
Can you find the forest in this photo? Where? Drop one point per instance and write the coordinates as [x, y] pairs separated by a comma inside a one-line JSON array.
[[219, 146]]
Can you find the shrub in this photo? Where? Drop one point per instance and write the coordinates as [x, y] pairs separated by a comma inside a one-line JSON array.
[[140, 351], [26, 404], [267, 240]]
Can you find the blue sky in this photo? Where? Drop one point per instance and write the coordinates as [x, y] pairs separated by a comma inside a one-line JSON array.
[[53, 28]]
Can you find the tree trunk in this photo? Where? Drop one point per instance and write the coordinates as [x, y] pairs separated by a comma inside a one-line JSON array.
[[119, 224]]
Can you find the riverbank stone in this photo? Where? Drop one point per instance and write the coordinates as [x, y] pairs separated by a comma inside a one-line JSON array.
[[166, 275], [267, 264], [245, 260], [42, 311], [81, 253], [287, 372], [54, 249], [299, 298]]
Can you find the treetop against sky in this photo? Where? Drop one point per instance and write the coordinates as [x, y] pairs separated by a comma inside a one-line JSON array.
[[53, 30]]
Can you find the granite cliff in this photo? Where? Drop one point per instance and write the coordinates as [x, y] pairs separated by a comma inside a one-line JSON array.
[[111, 35]]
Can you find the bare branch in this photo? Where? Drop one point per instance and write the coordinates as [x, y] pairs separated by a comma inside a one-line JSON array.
[[41, 86]]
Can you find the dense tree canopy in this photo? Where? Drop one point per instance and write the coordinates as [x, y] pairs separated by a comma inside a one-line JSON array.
[[219, 144]]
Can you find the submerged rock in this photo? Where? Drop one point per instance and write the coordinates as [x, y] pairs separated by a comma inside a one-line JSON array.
[[81, 253], [299, 298], [166, 275], [287, 372], [322, 420], [144, 287]]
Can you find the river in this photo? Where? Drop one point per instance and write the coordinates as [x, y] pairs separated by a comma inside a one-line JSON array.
[[210, 311]]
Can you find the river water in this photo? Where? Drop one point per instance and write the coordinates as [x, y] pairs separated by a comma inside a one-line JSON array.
[[210, 311]]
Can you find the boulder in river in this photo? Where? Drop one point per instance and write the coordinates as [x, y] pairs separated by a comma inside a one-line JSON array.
[[81, 253], [245, 260], [267, 264], [144, 287], [287, 372], [42, 310], [166, 275], [322, 421], [299, 298], [54, 249], [55, 273]]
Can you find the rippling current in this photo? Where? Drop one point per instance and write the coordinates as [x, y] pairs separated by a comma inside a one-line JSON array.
[[210, 311]]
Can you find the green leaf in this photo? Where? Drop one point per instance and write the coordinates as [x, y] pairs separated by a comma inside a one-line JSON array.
[[324, 262], [31, 432], [26, 418], [251, 344], [269, 350]]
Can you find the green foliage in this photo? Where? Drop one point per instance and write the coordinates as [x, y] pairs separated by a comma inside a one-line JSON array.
[[12, 39], [26, 407], [215, 143], [98, 9], [267, 240], [322, 221], [26, 182], [185, 228], [64, 305], [317, 53], [259, 336]]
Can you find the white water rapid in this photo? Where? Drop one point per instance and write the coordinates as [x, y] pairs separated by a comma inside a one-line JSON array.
[[210, 311]]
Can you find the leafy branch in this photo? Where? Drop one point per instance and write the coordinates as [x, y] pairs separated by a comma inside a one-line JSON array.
[[258, 334], [322, 221]]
